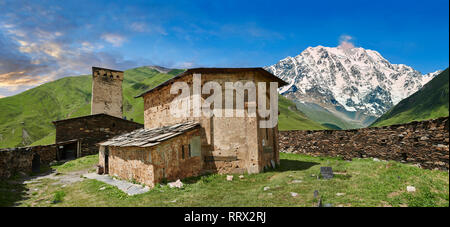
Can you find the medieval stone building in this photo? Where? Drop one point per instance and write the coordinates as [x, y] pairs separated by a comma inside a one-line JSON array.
[[174, 147], [80, 135], [107, 94]]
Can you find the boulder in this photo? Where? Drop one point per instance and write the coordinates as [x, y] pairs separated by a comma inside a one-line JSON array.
[[410, 188], [176, 184]]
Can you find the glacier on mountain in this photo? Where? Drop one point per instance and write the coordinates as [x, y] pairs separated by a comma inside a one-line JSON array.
[[350, 80]]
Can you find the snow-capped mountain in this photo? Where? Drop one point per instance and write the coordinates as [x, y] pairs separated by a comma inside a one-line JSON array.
[[353, 83]]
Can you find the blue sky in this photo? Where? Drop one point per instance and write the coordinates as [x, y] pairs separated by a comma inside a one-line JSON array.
[[41, 41]]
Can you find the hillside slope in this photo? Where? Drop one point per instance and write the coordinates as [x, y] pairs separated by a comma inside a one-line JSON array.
[[324, 116], [25, 119], [428, 103], [291, 118]]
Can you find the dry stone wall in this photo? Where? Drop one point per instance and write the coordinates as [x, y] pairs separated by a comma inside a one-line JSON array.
[[20, 159], [425, 143]]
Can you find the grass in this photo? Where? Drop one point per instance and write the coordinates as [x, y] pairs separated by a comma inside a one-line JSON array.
[[77, 164], [323, 116], [291, 118], [58, 196], [365, 183], [430, 102]]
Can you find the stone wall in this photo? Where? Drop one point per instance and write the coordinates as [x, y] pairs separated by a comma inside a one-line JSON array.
[[92, 129], [425, 143], [20, 159]]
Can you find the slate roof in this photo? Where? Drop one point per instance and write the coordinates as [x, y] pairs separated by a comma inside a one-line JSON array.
[[96, 116], [150, 137], [217, 71]]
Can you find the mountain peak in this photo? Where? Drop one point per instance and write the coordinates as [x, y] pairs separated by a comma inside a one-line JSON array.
[[356, 81]]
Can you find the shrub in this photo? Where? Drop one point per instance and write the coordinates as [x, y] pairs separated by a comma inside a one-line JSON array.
[[58, 196]]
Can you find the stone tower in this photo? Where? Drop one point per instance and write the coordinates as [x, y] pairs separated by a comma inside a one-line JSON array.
[[106, 92]]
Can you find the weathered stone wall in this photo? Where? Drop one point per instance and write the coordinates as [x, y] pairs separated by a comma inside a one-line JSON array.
[[153, 164], [230, 144], [20, 159], [92, 129], [107, 92], [425, 143]]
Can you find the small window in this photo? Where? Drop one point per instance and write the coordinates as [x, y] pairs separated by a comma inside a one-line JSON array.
[[182, 151], [195, 147], [149, 156]]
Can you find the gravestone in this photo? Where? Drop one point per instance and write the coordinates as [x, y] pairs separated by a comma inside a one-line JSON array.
[[326, 172], [316, 193]]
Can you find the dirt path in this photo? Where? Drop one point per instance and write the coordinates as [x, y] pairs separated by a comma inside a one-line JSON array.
[[38, 190], [61, 178]]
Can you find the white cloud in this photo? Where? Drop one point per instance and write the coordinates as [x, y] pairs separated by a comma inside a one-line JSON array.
[[139, 27], [185, 65], [143, 27], [115, 39], [88, 46], [345, 42], [14, 80]]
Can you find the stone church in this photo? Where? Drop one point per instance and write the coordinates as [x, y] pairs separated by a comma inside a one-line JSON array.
[[175, 147]]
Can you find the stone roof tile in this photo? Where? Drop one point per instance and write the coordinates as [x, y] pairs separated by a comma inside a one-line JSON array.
[[149, 137]]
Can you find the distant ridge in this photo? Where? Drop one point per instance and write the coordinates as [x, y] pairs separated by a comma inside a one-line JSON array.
[[160, 69]]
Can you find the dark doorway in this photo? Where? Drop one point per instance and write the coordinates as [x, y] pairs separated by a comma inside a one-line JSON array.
[[69, 151], [36, 164], [106, 160]]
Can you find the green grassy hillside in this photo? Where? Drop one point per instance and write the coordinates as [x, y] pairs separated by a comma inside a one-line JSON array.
[[25, 119], [430, 102], [291, 118], [325, 117]]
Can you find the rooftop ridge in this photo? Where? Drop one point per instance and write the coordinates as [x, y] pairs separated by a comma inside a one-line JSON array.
[[214, 71]]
